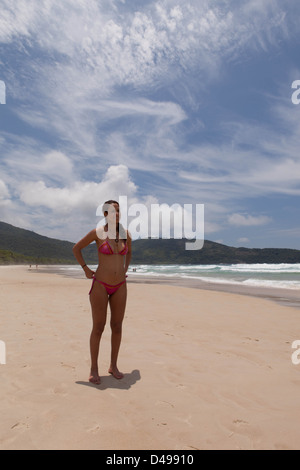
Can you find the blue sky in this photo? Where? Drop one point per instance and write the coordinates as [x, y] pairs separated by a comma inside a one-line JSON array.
[[161, 101]]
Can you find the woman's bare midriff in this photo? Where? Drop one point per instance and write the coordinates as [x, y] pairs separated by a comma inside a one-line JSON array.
[[111, 268]]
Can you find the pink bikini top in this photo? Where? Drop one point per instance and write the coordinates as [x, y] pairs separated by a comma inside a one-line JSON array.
[[106, 249]]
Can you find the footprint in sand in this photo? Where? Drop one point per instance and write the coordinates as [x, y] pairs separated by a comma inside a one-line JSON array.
[[60, 390], [163, 402], [94, 430], [238, 422], [20, 426], [251, 339], [181, 386], [67, 366]]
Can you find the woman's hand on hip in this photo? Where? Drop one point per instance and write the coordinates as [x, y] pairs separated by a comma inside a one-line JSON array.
[[89, 273]]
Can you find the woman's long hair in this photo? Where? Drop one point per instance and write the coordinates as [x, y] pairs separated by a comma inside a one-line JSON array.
[[120, 228]]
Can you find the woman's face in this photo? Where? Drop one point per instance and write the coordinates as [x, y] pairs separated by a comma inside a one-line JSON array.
[[113, 213]]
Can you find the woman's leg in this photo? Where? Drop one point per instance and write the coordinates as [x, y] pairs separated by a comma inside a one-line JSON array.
[[99, 301], [117, 306]]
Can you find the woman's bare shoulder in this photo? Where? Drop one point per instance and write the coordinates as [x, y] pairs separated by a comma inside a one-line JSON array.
[[86, 240]]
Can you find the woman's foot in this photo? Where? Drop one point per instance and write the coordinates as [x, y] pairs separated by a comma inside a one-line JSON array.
[[94, 378], [115, 372]]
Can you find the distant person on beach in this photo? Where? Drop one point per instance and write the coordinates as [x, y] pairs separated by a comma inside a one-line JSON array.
[[109, 284]]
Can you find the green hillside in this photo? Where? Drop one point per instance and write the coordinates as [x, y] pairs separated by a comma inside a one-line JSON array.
[[35, 248], [9, 257], [173, 252], [24, 246]]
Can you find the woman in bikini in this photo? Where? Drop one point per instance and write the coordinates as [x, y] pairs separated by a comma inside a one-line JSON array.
[[109, 284]]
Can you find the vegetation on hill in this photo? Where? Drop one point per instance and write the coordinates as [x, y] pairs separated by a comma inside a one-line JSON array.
[[19, 246], [10, 257], [173, 252], [26, 246]]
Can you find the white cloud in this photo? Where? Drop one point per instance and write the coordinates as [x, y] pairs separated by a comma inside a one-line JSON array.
[[246, 220], [4, 192], [79, 197], [97, 48], [86, 50], [243, 240], [6, 204], [69, 211], [171, 112], [26, 160], [5, 199], [57, 164], [260, 159], [16, 19], [89, 71]]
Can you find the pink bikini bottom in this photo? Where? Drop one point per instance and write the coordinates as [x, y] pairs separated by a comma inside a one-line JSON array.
[[109, 288]]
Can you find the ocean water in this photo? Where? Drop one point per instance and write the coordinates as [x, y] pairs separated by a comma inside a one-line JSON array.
[[285, 276]]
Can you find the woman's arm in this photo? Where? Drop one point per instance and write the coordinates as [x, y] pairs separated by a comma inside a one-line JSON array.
[[85, 241], [128, 256]]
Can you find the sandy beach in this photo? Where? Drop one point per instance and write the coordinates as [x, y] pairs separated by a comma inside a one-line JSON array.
[[203, 369]]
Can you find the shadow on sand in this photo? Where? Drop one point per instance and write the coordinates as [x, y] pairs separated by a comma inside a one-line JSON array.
[[108, 381]]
